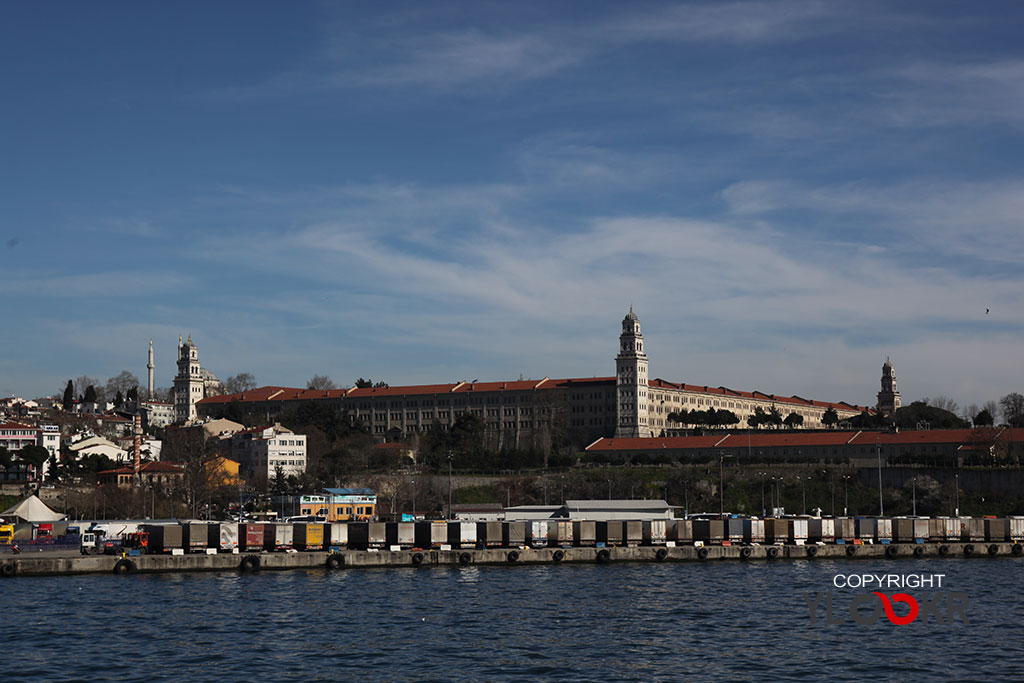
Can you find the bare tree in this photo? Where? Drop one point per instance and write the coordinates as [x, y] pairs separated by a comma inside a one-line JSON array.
[[243, 381], [944, 403], [122, 383], [321, 383], [1013, 409], [84, 382]]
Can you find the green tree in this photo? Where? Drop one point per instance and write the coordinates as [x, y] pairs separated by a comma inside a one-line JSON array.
[[794, 420], [69, 396], [830, 418], [90, 394], [758, 418], [774, 417], [983, 419], [35, 456], [5, 458]]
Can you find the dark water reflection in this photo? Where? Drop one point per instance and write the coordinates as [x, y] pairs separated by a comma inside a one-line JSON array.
[[745, 621]]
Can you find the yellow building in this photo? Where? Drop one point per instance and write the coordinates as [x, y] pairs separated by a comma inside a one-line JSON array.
[[221, 471]]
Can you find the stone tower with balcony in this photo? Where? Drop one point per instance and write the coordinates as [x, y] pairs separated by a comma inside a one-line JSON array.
[[631, 381], [889, 396], [188, 384]]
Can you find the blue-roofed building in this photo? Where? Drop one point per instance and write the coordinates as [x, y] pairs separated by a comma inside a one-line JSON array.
[[341, 505]]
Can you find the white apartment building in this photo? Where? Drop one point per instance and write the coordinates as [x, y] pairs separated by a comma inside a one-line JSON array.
[[262, 450]]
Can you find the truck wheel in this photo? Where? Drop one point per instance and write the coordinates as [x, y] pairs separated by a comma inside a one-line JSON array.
[[335, 561], [891, 551], [464, 559], [417, 558], [512, 557], [660, 554], [993, 549], [851, 550], [124, 567], [250, 563], [8, 569], [558, 555]]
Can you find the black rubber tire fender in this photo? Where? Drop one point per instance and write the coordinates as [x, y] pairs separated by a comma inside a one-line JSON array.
[[335, 561], [772, 553], [8, 569], [249, 563], [417, 558], [851, 550], [891, 551], [660, 554], [918, 551], [745, 553], [702, 553], [993, 549], [1017, 549], [512, 557], [558, 556], [968, 550], [124, 566], [812, 550], [604, 555], [943, 550], [464, 559]]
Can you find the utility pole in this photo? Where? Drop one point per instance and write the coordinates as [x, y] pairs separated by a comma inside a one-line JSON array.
[[913, 483], [846, 494], [721, 482], [881, 509], [449, 484]]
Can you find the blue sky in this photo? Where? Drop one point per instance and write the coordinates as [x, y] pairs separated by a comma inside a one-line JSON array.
[[786, 192]]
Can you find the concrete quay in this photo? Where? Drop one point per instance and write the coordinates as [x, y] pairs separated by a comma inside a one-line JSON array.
[[48, 565]]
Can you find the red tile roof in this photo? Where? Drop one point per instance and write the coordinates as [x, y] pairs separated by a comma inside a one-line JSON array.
[[16, 425]]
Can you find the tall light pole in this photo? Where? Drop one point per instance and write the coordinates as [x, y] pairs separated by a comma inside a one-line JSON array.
[[846, 494], [721, 482], [878, 451], [913, 484], [956, 504], [763, 508], [449, 484], [803, 493]]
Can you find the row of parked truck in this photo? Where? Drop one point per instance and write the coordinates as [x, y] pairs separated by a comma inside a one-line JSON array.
[[187, 537]]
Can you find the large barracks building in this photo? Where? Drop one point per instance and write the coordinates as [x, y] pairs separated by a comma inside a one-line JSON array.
[[524, 413]]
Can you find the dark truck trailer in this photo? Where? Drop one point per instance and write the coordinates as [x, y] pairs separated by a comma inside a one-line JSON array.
[[488, 534], [401, 534], [709, 530], [195, 536], [514, 534], [584, 532], [367, 535], [163, 538], [610, 532], [250, 537]]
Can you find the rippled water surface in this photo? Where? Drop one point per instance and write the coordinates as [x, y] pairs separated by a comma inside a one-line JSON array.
[[580, 622]]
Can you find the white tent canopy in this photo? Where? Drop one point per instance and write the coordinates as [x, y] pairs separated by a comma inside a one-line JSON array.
[[32, 509]]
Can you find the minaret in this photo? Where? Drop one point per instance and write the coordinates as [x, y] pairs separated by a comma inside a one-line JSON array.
[[631, 381], [151, 367], [889, 396]]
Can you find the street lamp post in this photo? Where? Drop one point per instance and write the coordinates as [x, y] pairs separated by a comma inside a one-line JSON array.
[[878, 451], [846, 494], [913, 484], [763, 508], [449, 484], [803, 493], [721, 482], [956, 493]]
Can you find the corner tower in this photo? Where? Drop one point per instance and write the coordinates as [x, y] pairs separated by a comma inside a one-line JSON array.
[[889, 396], [188, 384], [631, 381]]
